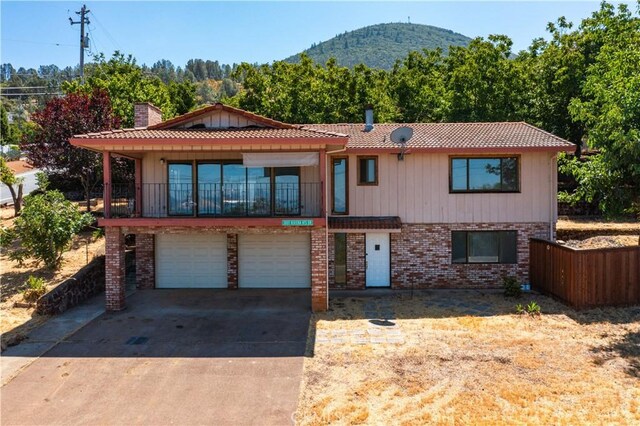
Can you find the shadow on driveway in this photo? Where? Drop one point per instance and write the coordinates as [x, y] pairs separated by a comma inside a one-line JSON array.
[[197, 324]]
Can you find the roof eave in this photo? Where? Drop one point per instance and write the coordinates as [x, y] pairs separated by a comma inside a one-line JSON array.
[[460, 150], [92, 143]]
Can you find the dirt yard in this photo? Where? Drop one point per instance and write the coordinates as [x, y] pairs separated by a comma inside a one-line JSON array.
[[577, 223], [455, 357], [16, 322]]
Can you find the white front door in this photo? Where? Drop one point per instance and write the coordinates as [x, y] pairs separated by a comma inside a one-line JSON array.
[[378, 260]]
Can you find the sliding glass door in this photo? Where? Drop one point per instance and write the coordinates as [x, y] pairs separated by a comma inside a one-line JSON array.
[[209, 189], [180, 190], [287, 191]]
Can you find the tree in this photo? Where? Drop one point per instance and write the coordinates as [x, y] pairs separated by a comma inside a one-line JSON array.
[[126, 83], [610, 109], [10, 180], [45, 228], [483, 83], [48, 146]]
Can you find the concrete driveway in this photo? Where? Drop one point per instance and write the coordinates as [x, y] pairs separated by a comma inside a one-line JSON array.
[[185, 357]]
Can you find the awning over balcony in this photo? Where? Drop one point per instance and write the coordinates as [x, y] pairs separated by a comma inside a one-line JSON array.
[[280, 159]]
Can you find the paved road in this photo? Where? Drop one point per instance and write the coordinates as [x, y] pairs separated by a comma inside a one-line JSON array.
[[184, 357]]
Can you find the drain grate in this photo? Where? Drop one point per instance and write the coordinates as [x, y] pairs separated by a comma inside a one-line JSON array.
[[137, 340]]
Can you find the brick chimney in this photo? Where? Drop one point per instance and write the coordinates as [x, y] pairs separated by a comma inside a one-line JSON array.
[[146, 114]]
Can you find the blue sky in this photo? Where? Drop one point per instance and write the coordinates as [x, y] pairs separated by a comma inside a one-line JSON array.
[[248, 31]]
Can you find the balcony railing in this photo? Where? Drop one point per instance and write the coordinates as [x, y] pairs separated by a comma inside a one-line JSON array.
[[217, 200]]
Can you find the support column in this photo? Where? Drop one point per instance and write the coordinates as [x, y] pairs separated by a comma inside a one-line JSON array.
[[138, 177], [114, 268], [232, 261], [106, 173], [319, 270], [145, 261]]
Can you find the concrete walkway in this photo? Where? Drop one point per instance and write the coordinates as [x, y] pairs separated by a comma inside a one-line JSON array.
[[15, 358]]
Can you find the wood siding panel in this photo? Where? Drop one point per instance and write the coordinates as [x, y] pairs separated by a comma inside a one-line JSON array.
[[220, 119], [417, 190]]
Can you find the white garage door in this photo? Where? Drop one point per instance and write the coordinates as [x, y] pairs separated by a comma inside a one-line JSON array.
[[191, 261], [274, 261]]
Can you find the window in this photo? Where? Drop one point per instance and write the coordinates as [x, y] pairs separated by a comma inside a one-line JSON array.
[[180, 189], [340, 264], [484, 247], [227, 188], [339, 179], [367, 170], [484, 174]]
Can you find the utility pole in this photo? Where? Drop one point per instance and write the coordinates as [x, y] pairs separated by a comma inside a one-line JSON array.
[[84, 38]]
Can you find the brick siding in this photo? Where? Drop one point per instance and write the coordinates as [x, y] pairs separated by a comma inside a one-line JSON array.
[[319, 270], [232, 261], [114, 268], [319, 252], [421, 257], [145, 261]]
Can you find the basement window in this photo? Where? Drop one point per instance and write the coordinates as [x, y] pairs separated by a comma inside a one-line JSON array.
[[484, 247]]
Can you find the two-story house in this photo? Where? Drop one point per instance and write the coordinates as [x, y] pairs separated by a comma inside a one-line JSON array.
[[224, 198]]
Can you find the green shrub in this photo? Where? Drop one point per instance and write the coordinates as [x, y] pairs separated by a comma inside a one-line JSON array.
[[511, 287], [45, 229], [533, 309], [36, 287]]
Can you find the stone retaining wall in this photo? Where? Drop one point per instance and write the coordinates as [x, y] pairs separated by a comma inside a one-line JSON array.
[[86, 283]]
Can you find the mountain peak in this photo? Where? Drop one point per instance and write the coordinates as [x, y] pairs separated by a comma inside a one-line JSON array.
[[378, 46]]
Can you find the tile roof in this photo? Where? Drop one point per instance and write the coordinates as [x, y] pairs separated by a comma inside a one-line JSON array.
[[226, 133], [505, 135], [19, 166], [364, 222]]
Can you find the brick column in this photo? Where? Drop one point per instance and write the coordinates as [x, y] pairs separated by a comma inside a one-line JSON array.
[[145, 261], [114, 268], [319, 270], [232, 261], [356, 261]]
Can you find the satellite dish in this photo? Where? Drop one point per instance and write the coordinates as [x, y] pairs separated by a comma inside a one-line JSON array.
[[401, 136]]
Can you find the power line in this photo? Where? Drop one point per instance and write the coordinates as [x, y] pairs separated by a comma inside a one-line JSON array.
[[31, 94], [37, 42], [24, 87], [113, 40]]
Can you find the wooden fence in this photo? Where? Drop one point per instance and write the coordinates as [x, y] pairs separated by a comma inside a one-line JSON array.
[[586, 278]]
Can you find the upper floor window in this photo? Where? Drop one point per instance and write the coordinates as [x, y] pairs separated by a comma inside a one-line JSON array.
[[367, 170], [339, 185], [484, 174]]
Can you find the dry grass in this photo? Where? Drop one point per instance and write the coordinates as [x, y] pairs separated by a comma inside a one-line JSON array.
[[605, 241], [15, 322], [454, 368], [584, 224]]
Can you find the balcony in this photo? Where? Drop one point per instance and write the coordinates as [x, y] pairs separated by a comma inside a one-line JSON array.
[[227, 200]]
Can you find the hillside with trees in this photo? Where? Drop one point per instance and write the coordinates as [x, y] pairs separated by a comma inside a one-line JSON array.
[[581, 83], [379, 46]]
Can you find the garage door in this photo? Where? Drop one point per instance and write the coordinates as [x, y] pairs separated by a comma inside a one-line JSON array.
[[274, 261], [191, 261]]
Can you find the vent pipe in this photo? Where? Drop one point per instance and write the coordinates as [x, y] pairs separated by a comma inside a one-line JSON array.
[[368, 118]]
